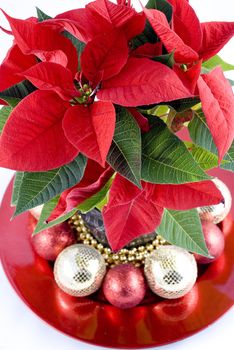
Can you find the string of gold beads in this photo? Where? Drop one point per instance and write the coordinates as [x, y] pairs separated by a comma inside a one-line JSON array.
[[135, 256]]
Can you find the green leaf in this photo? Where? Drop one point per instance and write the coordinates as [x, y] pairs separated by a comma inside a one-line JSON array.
[[204, 70], [217, 61], [42, 16], [157, 110], [200, 133], [16, 187], [166, 159], [184, 103], [39, 187], [17, 92], [96, 199], [151, 4], [79, 45], [147, 36], [183, 229], [161, 5], [229, 159], [206, 159], [178, 105], [125, 152], [46, 211], [231, 82], [167, 59], [12, 101], [102, 203], [4, 115]]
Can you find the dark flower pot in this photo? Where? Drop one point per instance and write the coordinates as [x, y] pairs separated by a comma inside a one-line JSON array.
[[94, 221]]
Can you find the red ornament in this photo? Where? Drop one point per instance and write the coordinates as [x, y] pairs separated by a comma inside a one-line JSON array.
[[214, 240], [50, 242], [124, 286]]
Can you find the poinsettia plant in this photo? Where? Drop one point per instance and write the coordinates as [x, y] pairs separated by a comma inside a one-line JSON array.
[[93, 102]]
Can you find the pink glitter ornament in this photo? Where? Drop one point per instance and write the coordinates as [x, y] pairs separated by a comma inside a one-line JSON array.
[[214, 239], [50, 242], [124, 286]]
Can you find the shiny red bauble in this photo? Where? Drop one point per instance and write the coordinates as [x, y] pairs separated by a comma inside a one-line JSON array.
[[124, 286], [215, 242], [49, 243]]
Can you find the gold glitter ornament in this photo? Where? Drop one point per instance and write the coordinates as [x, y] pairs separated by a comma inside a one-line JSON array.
[[170, 271], [79, 270], [217, 213]]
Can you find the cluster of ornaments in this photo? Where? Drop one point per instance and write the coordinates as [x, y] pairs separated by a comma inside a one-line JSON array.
[[169, 271]]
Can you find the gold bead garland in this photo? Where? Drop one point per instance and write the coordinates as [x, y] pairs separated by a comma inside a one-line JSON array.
[[135, 256]]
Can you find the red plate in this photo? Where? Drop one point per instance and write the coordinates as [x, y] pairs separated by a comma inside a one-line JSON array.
[[155, 323]]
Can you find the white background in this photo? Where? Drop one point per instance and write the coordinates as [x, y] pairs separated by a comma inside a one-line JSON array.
[[19, 328]]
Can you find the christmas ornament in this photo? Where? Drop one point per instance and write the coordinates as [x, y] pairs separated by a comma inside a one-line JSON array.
[[94, 222], [215, 242], [124, 286], [49, 243], [79, 270], [36, 212], [134, 255], [216, 213], [170, 271]]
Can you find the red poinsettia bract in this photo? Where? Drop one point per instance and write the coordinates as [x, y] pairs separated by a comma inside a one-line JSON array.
[[14, 63], [84, 124], [139, 211], [218, 105], [194, 42], [34, 41], [101, 16], [190, 39], [95, 177], [93, 123]]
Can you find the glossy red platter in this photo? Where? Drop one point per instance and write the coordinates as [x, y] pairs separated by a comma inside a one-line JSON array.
[[154, 323]]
